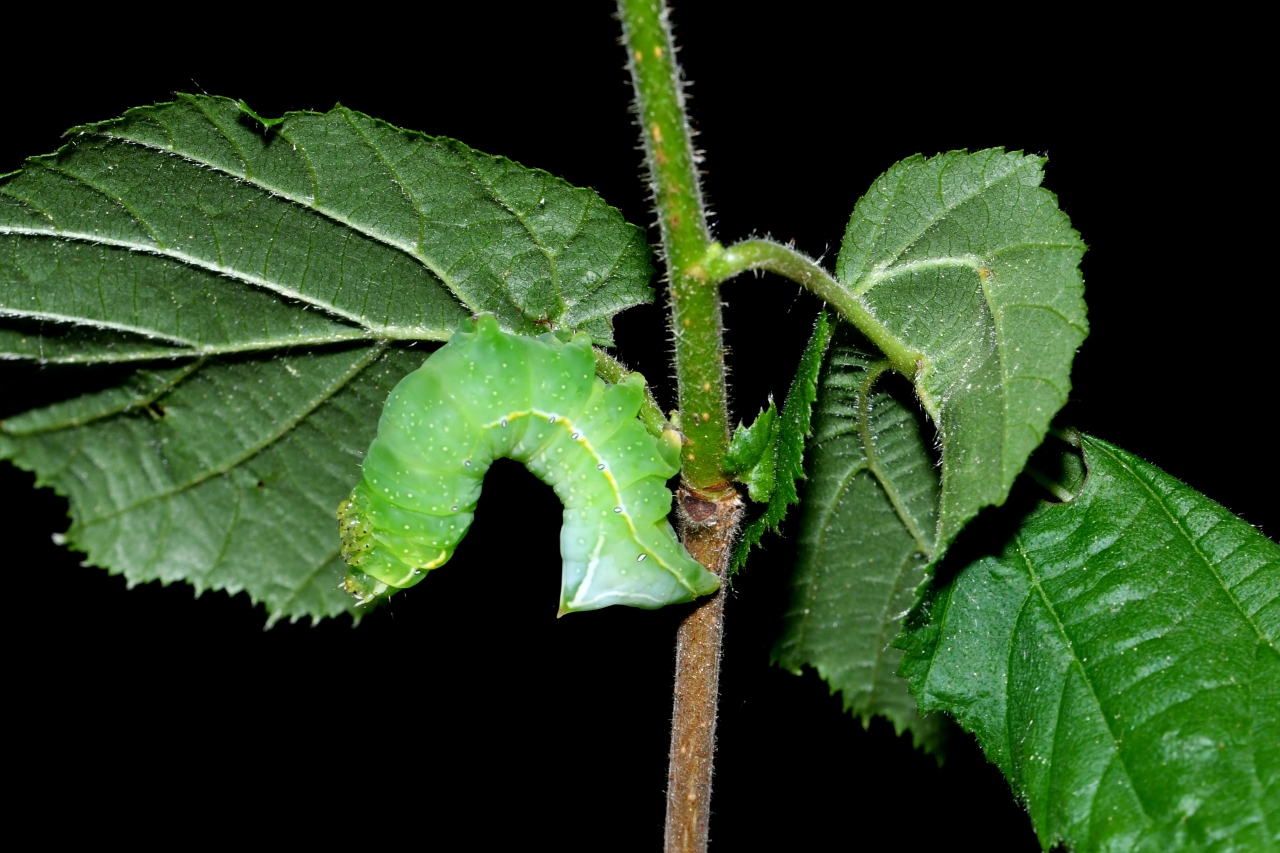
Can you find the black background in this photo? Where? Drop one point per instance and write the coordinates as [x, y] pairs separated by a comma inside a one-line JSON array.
[[466, 709]]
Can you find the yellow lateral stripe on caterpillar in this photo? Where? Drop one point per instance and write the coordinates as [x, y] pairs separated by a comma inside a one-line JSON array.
[[608, 475]]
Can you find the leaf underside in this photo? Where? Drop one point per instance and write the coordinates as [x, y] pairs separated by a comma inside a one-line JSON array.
[[267, 281], [865, 539], [1118, 661]]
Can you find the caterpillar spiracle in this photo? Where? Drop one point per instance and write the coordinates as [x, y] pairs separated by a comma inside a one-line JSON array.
[[485, 395]]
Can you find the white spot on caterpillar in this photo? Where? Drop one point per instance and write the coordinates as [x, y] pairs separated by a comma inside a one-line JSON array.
[[467, 462], [640, 559], [503, 422], [552, 419], [600, 467], [575, 436], [617, 509], [454, 508]]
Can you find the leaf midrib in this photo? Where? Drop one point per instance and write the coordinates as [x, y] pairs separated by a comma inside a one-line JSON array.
[[870, 464], [314, 205], [828, 511], [1034, 579], [197, 263], [1177, 523], [885, 640], [384, 239], [873, 459]]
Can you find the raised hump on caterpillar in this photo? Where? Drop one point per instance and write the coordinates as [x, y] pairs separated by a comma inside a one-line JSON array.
[[488, 394]]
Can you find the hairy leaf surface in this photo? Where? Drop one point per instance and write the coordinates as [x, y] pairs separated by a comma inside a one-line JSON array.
[[967, 266], [1118, 661], [266, 277]]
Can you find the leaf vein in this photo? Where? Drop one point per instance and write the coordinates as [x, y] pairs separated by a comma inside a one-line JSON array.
[[313, 205], [1195, 545], [192, 261], [1075, 660], [547, 252], [371, 355]]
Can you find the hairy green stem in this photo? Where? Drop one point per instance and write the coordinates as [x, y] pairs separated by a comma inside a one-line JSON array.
[[723, 264], [696, 322]]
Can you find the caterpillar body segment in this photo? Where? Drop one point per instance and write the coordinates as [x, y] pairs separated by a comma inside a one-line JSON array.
[[486, 395]]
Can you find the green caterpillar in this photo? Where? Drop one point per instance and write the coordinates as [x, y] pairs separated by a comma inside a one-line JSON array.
[[485, 395]]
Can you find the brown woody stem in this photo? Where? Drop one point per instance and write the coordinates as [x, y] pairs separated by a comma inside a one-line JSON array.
[[709, 528]]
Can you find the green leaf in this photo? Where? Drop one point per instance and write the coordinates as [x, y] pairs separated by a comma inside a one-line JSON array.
[[793, 430], [967, 274], [753, 453], [268, 279], [223, 474], [188, 228], [964, 273], [1118, 661], [866, 539]]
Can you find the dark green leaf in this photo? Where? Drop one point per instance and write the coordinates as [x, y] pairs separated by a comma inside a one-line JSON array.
[[753, 453], [866, 539], [187, 228], [792, 433], [226, 476], [267, 276], [1118, 661]]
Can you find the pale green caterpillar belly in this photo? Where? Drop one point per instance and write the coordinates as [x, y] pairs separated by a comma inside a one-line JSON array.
[[487, 395]]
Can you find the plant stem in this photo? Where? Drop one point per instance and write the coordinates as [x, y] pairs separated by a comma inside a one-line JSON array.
[[709, 507], [696, 322], [697, 688]]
